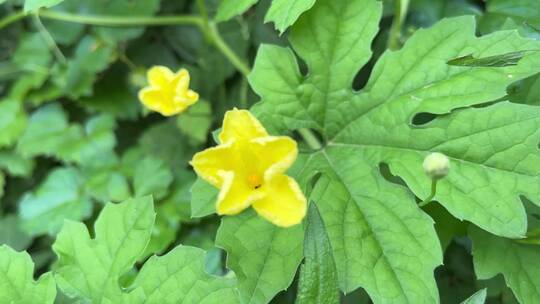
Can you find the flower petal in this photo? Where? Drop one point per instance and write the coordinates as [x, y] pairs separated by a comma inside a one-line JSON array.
[[235, 195], [154, 100], [284, 205], [159, 76], [275, 154], [186, 99], [181, 81], [209, 163], [241, 125]]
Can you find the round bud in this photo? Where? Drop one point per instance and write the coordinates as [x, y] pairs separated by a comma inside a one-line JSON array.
[[436, 165]]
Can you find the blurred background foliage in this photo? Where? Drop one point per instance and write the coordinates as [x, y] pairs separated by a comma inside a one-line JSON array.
[[73, 135]]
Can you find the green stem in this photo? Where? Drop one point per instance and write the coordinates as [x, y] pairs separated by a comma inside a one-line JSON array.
[[205, 21], [432, 195], [102, 20], [221, 45], [311, 140], [49, 40], [9, 19], [400, 11]]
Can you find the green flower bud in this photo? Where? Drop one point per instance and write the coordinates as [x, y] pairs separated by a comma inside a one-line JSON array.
[[436, 165]]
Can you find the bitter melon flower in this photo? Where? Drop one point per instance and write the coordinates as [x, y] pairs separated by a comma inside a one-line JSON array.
[[167, 93], [249, 169]]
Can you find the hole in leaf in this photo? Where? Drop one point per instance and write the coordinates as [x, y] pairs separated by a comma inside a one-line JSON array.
[[378, 46], [302, 66], [313, 181], [384, 169], [423, 118]]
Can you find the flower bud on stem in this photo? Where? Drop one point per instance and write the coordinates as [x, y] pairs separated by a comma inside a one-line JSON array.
[[436, 165]]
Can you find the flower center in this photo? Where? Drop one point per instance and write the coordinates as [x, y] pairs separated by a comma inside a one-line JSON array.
[[254, 180]]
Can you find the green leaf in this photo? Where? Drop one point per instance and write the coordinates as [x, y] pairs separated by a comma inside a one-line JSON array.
[[284, 12], [490, 169], [34, 5], [77, 76], [49, 133], [203, 198], [519, 263], [13, 121], [152, 177], [520, 11], [12, 234], [106, 184], [264, 264], [341, 115], [230, 8], [195, 123], [89, 269], [16, 282], [179, 277], [318, 277], [165, 141], [170, 213], [15, 164], [478, 297], [58, 198], [355, 202]]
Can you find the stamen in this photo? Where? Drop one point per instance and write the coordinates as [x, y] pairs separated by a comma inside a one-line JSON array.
[[254, 180]]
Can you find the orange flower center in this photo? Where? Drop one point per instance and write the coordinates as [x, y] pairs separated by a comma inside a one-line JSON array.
[[254, 180]]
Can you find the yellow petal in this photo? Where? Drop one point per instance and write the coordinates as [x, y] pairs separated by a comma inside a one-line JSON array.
[[241, 125], [159, 76], [284, 204], [235, 195], [186, 99], [181, 81], [154, 100], [275, 154], [209, 163]]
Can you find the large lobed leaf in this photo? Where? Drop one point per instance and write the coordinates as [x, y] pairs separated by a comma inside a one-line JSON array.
[[381, 240], [89, 269], [517, 261], [16, 282], [283, 13], [264, 257]]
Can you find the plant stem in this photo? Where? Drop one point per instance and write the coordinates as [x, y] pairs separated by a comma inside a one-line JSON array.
[[400, 11], [432, 195], [103, 20], [221, 45], [311, 140], [9, 19], [49, 40]]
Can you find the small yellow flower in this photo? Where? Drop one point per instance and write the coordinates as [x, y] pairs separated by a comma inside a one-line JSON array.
[[167, 93], [249, 169]]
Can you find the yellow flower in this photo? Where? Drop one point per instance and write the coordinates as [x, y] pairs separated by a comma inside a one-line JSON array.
[[167, 93], [249, 169]]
